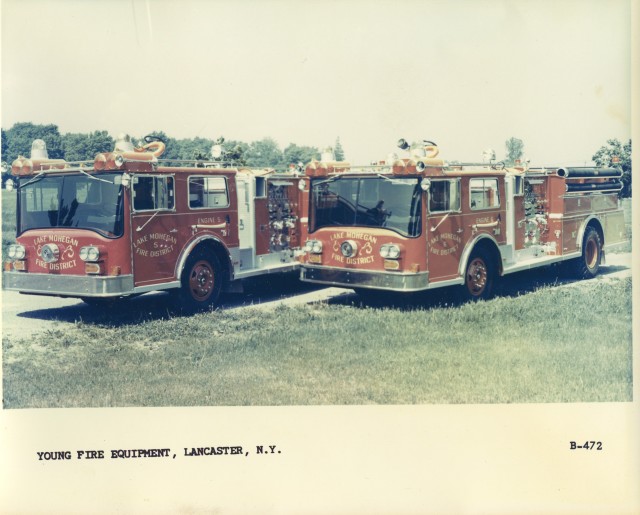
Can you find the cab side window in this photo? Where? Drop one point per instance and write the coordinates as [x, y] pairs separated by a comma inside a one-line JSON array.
[[152, 193], [444, 196], [484, 194], [208, 192]]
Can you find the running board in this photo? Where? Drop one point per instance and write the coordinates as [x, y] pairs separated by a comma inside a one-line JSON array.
[[535, 262]]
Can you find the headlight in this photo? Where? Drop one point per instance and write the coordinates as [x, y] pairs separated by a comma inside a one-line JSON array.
[[16, 252], [313, 246], [390, 251], [90, 253]]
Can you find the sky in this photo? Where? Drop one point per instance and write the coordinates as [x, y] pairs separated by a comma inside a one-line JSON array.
[[466, 74]]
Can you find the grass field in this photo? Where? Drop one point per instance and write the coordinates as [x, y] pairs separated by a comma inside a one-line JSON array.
[[535, 342], [555, 344]]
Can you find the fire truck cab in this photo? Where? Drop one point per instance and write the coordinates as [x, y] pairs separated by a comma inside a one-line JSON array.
[[420, 222], [128, 223]]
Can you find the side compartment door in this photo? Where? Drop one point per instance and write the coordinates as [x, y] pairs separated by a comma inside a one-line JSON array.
[[514, 201], [154, 232], [246, 224], [262, 221]]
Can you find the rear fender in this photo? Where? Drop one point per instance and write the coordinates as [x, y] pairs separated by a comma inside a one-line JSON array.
[[593, 221]]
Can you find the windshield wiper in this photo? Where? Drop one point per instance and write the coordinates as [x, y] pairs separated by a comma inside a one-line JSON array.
[[36, 178], [95, 178], [331, 179], [395, 181]]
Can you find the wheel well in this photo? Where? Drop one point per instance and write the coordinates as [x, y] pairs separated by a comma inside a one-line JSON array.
[[595, 223], [491, 249], [210, 246]]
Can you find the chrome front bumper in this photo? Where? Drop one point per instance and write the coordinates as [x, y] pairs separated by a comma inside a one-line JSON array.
[[393, 281], [68, 285]]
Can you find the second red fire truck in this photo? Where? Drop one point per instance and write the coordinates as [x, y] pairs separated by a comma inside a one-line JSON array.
[[420, 222]]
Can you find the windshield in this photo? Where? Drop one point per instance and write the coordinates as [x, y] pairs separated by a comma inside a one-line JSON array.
[[78, 201], [367, 202]]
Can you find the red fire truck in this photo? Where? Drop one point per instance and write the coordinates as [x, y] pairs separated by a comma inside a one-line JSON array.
[[420, 222], [128, 223]]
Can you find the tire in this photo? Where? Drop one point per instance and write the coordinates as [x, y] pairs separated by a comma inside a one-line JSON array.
[[587, 265], [201, 282], [479, 276]]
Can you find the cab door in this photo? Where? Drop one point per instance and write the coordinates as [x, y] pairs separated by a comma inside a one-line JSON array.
[[154, 233], [444, 229], [486, 208]]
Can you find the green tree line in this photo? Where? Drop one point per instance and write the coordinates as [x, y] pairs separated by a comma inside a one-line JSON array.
[[613, 154], [263, 153], [84, 146]]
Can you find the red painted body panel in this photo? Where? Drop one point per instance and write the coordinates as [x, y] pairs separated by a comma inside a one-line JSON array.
[[113, 252], [159, 241]]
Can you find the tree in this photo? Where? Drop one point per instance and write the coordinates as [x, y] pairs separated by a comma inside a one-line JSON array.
[[6, 168], [196, 148], [232, 152], [236, 152], [264, 153], [515, 151], [3, 144], [295, 154], [337, 151], [20, 137], [83, 147], [614, 153]]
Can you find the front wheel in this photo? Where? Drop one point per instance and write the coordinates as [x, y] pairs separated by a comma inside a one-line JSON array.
[[201, 282], [479, 276]]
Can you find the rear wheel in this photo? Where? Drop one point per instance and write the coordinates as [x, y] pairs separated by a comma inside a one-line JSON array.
[[201, 282], [588, 264], [479, 276]]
